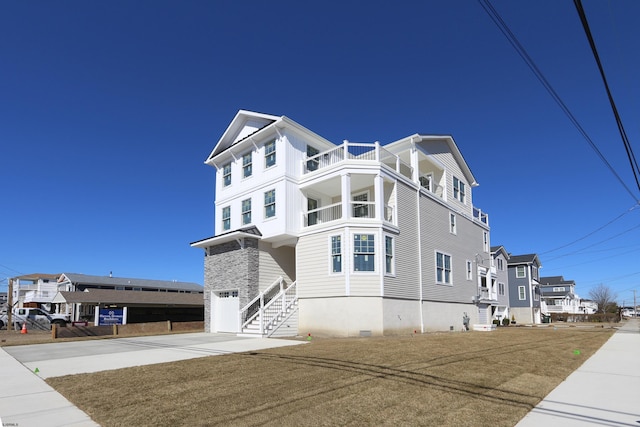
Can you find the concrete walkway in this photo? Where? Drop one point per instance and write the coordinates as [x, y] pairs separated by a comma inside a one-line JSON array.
[[27, 400], [604, 391]]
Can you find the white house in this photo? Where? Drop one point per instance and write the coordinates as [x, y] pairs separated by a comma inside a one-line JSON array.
[[349, 240]]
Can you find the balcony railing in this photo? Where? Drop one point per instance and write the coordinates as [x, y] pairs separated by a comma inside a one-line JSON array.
[[357, 151], [478, 215], [359, 209], [323, 214], [487, 294]]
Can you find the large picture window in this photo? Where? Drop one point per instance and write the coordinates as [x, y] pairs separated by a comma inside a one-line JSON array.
[[443, 268], [246, 211], [270, 154], [270, 203], [226, 218], [336, 254], [364, 252]]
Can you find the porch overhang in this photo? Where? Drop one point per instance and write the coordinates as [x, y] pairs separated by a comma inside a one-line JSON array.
[[237, 235]]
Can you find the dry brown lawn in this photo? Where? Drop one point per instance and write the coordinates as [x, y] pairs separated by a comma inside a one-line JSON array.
[[461, 379]]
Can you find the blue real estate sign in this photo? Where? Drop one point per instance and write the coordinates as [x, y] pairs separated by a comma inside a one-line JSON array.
[[110, 316]]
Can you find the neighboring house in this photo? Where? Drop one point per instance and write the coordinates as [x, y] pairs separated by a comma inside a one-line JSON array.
[[559, 295], [83, 308], [524, 288], [355, 239], [4, 298], [588, 307], [35, 290], [499, 262]]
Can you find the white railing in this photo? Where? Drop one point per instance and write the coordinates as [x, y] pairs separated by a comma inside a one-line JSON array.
[[361, 209], [253, 309], [323, 214], [478, 215], [356, 151], [487, 294], [276, 310]]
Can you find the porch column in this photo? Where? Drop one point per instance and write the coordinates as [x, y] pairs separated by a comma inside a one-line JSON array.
[[346, 195], [378, 189]]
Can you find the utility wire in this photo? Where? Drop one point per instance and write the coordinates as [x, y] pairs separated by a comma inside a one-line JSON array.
[[504, 28], [623, 134]]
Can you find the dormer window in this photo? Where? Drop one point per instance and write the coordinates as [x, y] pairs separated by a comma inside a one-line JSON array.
[[226, 175], [458, 190], [270, 154]]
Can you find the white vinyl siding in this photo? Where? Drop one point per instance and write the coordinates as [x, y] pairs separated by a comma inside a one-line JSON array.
[[315, 279]]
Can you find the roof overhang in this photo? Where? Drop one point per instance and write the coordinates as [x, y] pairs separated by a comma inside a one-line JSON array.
[[224, 238]]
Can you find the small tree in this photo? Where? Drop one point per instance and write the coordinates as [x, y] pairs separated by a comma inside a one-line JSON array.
[[604, 296]]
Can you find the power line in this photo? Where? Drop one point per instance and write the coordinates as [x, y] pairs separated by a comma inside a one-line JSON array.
[[623, 133], [513, 40]]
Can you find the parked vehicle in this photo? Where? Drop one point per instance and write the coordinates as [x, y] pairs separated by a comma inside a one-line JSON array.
[[34, 317]]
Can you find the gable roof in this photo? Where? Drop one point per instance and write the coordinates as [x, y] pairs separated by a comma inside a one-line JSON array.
[[243, 125], [555, 280], [523, 259], [495, 250], [85, 279]]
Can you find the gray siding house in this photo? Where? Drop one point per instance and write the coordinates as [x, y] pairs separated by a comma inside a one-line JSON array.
[[524, 288]]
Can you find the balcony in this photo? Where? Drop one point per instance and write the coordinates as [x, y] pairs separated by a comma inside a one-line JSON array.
[[487, 295], [480, 216], [357, 151]]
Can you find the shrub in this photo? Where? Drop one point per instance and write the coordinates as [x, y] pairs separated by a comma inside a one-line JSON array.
[[505, 321]]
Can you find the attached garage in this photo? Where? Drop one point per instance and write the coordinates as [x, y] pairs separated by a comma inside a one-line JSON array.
[[225, 308]]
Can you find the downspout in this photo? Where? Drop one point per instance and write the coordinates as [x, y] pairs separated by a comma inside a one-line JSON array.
[[416, 173]]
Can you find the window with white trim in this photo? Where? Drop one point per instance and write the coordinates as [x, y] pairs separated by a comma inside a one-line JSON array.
[[312, 164], [361, 210], [246, 211], [389, 267], [521, 271], [522, 293], [247, 165], [270, 154], [485, 241], [500, 288], [458, 190], [364, 251], [336, 254], [226, 218], [500, 264], [452, 223], [270, 203], [226, 175], [443, 268], [469, 270], [534, 272]]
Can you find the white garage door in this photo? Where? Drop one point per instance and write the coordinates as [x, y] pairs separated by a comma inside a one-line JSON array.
[[227, 305]]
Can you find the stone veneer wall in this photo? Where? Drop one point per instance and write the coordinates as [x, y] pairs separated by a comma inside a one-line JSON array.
[[228, 266]]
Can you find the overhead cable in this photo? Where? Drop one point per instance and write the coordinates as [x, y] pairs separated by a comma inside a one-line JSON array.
[[623, 134], [504, 28]]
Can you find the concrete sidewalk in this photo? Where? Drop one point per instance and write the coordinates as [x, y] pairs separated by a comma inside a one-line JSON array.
[[27, 400], [604, 391]]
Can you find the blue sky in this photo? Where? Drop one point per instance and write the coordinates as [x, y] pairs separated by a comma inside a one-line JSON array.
[[109, 109]]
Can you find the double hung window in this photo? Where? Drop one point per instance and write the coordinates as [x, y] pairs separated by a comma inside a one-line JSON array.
[[458, 190], [364, 252], [247, 165], [246, 211], [389, 266], [336, 254], [226, 174], [443, 268], [226, 218], [269, 154], [270, 204]]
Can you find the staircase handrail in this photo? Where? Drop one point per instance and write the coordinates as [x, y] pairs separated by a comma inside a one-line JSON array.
[[260, 297], [285, 305]]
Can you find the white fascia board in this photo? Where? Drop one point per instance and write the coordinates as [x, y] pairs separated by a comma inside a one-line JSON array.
[[217, 240], [296, 127]]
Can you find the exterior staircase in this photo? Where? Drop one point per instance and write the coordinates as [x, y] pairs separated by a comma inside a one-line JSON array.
[[274, 312]]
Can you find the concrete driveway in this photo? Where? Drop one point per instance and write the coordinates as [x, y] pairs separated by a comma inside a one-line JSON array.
[[66, 358]]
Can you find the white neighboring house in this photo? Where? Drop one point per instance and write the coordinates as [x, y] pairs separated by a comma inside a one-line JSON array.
[[36, 288], [351, 240], [559, 295]]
